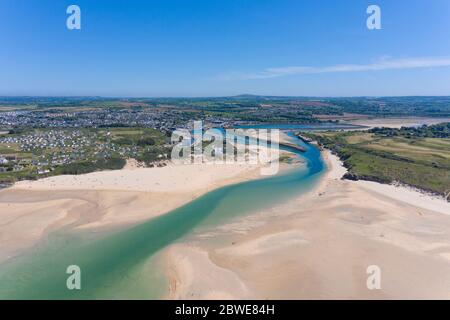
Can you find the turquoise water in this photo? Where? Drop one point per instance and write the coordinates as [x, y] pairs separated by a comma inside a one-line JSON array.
[[124, 264]]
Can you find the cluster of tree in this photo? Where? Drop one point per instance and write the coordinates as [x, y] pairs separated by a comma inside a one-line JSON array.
[[18, 130], [400, 106], [141, 142], [434, 131], [153, 155], [113, 163]]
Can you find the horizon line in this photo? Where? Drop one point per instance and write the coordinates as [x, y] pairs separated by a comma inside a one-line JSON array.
[[221, 96]]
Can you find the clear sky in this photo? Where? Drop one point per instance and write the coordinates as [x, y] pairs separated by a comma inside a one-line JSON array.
[[224, 47]]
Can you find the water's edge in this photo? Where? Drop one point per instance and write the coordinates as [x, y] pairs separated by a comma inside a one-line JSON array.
[[123, 264]]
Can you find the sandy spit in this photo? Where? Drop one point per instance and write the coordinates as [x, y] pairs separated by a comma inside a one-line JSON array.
[[319, 246], [108, 199]]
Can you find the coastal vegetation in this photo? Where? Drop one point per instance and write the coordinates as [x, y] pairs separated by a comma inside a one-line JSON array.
[[419, 157], [436, 131]]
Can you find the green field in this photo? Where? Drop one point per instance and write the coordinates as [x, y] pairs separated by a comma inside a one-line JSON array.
[[419, 162]]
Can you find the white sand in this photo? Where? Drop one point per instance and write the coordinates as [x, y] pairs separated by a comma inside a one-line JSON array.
[[319, 245], [187, 263], [336, 169], [22, 224], [30, 209], [402, 193], [172, 178], [408, 196], [398, 122]]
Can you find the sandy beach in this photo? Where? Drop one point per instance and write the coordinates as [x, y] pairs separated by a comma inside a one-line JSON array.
[[107, 199], [29, 210], [319, 246], [398, 122], [315, 246]]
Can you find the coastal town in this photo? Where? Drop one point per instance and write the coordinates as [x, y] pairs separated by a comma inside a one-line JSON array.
[[42, 137], [34, 153], [162, 119]]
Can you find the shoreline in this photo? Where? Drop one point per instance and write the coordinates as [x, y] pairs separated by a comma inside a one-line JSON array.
[[397, 122], [314, 246], [318, 246], [395, 191], [110, 200], [104, 200]]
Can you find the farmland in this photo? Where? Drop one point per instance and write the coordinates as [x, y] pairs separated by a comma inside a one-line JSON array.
[[421, 162]]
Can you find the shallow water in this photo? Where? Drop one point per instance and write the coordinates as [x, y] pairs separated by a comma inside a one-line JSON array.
[[124, 264]]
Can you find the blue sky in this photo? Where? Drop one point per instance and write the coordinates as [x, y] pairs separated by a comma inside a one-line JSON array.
[[224, 47]]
